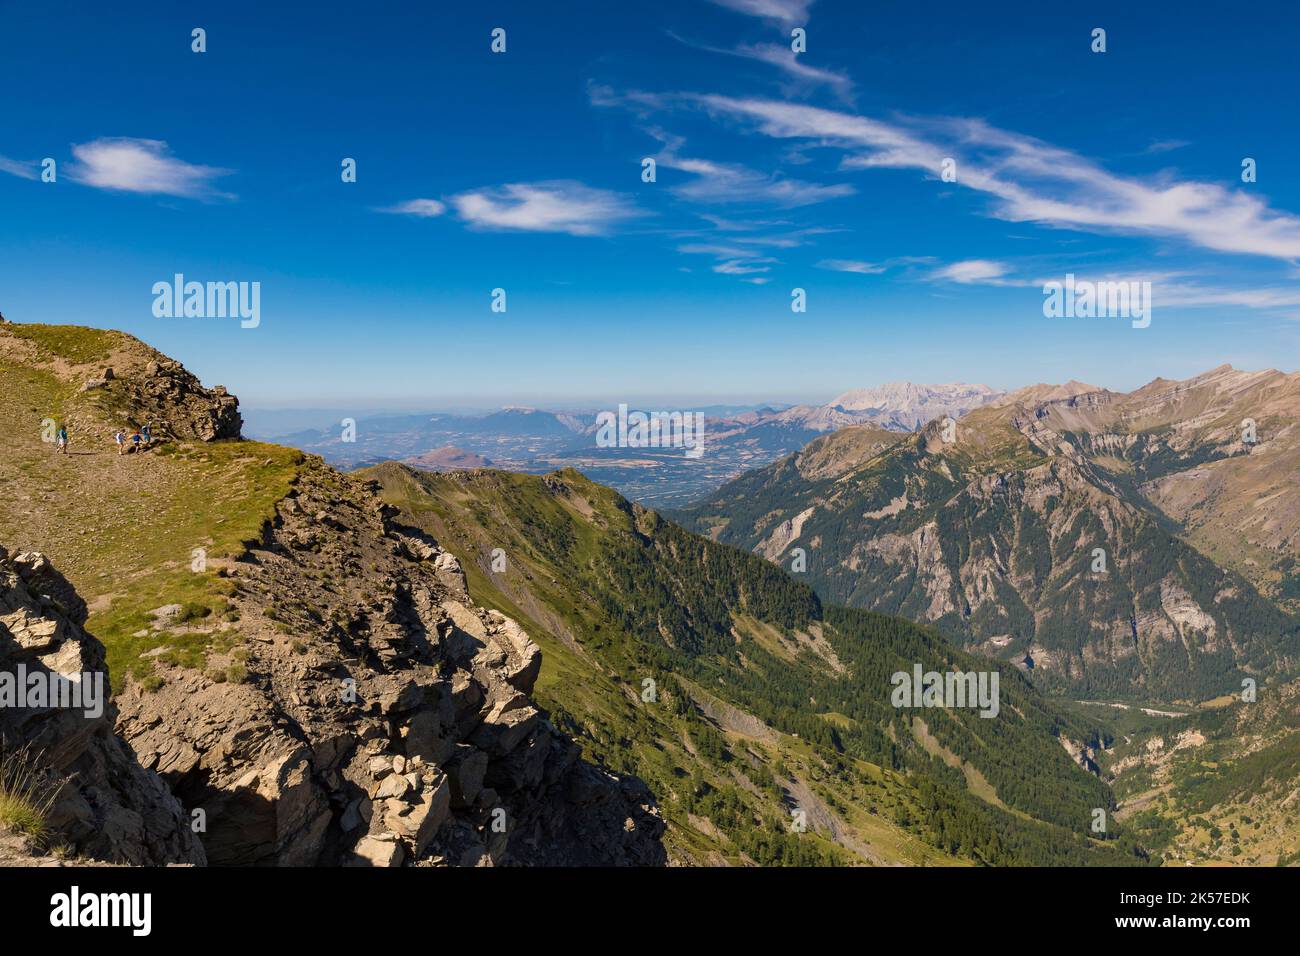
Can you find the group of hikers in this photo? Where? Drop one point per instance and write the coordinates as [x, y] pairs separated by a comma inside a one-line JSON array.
[[138, 441]]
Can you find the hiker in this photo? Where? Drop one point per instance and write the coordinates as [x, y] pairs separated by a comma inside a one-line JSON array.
[[120, 438], [62, 439], [135, 441], [144, 433]]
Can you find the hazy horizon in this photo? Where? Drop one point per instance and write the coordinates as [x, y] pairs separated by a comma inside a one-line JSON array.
[[434, 405]]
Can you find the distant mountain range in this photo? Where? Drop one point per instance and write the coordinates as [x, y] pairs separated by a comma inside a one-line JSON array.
[[897, 406], [536, 441]]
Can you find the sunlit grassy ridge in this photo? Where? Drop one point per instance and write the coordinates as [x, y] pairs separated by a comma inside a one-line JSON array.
[[124, 530], [222, 496], [73, 343]]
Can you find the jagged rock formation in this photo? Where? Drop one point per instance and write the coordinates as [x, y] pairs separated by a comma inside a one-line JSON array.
[[384, 718], [108, 806], [167, 396]]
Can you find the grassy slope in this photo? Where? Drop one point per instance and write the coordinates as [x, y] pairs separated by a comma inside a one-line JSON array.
[[565, 544], [124, 529]]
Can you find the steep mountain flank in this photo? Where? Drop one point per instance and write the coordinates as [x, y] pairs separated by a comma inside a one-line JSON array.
[[309, 675], [1027, 532], [1216, 453], [743, 703], [102, 804]]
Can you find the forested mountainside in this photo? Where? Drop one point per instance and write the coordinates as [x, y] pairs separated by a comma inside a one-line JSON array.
[[741, 700]]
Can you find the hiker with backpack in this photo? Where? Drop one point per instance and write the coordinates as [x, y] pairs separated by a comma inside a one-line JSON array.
[[62, 439]]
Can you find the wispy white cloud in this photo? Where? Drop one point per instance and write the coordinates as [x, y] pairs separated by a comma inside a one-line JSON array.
[[1170, 288], [802, 74], [788, 12], [713, 249], [733, 260], [635, 101], [553, 206], [786, 240], [740, 246], [1165, 146], [740, 225], [796, 67], [875, 268], [741, 267], [733, 183], [716, 182], [423, 208], [1194, 294], [853, 265], [1033, 181], [142, 166], [15, 167], [973, 271]]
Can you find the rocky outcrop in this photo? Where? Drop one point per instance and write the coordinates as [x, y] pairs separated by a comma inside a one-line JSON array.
[[382, 719], [167, 397], [788, 531], [119, 382], [107, 806]]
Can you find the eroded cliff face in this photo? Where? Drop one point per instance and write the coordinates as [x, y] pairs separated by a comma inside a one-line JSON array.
[[383, 719], [107, 806]]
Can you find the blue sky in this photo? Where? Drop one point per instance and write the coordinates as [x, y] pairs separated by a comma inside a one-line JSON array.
[[522, 170]]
